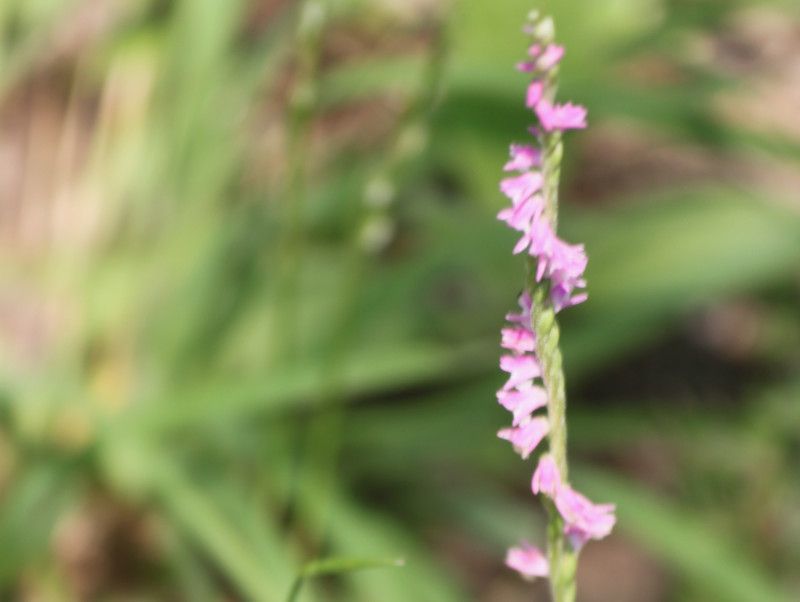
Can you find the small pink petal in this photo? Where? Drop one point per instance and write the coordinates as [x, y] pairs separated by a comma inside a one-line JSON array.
[[526, 437], [550, 57], [534, 50], [522, 402], [528, 561], [524, 317], [546, 478], [518, 188], [522, 213], [519, 339], [560, 117], [523, 243], [583, 519], [534, 94], [523, 157], [521, 369]]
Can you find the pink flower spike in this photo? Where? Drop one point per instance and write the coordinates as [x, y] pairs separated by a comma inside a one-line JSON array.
[[521, 369], [518, 339], [523, 157], [560, 117], [550, 57], [526, 437], [584, 520], [522, 402], [528, 561], [535, 93], [518, 188], [546, 478]]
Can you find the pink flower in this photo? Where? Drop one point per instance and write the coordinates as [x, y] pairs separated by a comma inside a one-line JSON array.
[[560, 117], [522, 402], [524, 317], [546, 478], [531, 236], [521, 369], [523, 157], [534, 95], [526, 437], [562, 297], [539, 241], [518, 339], [562, 262], [521, 214], [584, 520], [526, 66], [569, 260], [520, 187], [534, 50], [550, 57], [528, 561]]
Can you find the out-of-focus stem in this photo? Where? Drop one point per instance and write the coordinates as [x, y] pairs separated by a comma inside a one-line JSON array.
[[302, 107]]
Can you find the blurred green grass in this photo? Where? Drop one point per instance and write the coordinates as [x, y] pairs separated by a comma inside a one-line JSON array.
[[257, 247]]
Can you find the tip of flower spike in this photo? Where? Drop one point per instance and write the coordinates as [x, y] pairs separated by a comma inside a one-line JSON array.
[[530, 27], [545, 29], [528, 561]]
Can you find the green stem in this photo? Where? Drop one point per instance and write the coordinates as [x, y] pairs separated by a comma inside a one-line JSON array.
[[563, 560]]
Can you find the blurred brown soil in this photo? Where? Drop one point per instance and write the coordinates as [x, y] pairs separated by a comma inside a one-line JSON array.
[[760, 50]]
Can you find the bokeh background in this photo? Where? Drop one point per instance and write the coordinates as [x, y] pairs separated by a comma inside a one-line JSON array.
[[251, 283]]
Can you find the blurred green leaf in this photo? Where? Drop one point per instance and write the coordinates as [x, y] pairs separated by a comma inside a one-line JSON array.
[[714, 562], [338, 565], [258, 576]]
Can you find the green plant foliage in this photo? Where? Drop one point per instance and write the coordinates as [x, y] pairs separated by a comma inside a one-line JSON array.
[[251, 282]]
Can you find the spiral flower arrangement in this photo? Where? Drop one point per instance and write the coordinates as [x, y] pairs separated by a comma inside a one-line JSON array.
[[534, 391]]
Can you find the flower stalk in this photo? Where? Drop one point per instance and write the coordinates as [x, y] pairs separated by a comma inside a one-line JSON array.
[[554, 282], [562, 558]]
